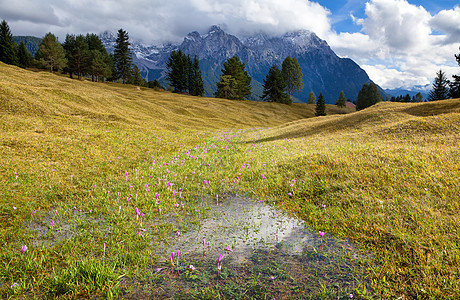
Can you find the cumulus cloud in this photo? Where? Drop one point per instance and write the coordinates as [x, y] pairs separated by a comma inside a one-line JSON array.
[[165, 21], [448, 22]]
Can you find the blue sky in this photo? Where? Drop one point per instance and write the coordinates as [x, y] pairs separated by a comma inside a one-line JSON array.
[[400, 43]]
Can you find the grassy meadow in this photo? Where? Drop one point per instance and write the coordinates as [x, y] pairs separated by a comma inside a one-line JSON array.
[[99, 181]]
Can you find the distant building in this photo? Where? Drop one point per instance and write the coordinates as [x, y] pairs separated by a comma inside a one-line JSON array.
[[349, 104]]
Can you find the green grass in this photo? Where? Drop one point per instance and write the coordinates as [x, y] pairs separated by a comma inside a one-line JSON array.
[[385, 178]]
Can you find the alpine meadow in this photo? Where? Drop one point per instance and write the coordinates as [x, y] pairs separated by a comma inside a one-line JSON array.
[[107, 189]]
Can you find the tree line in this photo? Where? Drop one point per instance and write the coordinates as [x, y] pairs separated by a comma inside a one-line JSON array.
[[79, 55], [407, 98]]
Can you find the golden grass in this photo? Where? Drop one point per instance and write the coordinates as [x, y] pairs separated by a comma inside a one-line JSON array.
[[388, 175], [390, 179]]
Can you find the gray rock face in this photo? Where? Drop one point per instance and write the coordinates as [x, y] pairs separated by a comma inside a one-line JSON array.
[[323, 71]]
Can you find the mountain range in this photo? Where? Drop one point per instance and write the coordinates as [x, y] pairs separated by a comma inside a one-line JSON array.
[[323, 71]]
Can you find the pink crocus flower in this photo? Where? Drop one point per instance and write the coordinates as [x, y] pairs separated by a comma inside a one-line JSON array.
[[52, 222], [321, 234], [191, 268], [219, 266], [33, 212], [178, 234], [221, 257], [171, 258], [24, 248], [137, 212], [228, 249]]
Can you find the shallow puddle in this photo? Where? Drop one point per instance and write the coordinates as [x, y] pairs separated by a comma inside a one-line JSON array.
[[245, 225], [268, 254]]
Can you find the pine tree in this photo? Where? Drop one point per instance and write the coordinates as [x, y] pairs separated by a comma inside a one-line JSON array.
[[100, 62], [454, 86], [24, 56], [227, 87], [69, 46], [135, 77], [177, 71], [274, 87], [122, 56], [7, 45], [342, 101], [292, 74], [196, 78], [368, 96], [320, 106], [418, 97], [234, 70], [79, 58], [439, 91], [311, 98], [51, 54]]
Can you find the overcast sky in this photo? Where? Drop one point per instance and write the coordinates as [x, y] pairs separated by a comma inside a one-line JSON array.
[[399, 43]]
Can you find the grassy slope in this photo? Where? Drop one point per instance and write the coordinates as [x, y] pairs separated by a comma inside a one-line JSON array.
[[49, 121], [390, 179], [388, 175]]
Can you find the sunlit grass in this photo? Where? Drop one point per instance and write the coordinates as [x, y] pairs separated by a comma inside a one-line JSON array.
[[84, 156]]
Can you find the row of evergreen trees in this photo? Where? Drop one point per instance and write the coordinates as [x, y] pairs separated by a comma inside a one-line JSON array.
[[79, 55], [407, 98]]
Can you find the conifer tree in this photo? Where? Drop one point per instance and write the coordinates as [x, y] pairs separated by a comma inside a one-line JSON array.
[[100, 62], [311, 98], [24, 56], [418, 97], [196, 78], [274, 87], [178, 71], [51, 54], [439, 91], [454, 86], [227, 87], [320, 106], [69, 46], [342, 101], [7, 45], [292, 74], [122, 56], [136, 78], [368, 96], [234, 76], [78, 58]]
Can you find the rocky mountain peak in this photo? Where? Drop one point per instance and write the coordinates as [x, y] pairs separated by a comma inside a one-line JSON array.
[[320, 65]]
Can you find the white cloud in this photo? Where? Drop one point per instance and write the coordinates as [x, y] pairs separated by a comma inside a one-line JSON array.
[[151, 20], [391, 78], [448, 22]]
